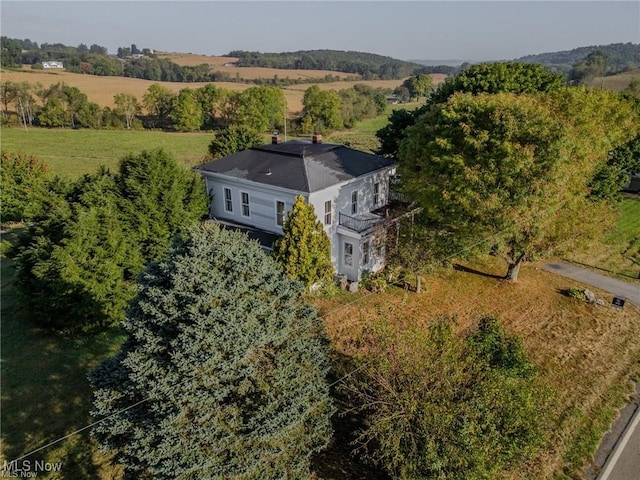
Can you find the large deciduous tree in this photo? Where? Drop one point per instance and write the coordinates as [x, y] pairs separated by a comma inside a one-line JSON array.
[[321, 110], [514, 169], [612, 177], [419, 86], [234, 138], [227, 364], [304, 251], [186, 114], [513, 77], [158, 101], [261, 108], [127, 105]]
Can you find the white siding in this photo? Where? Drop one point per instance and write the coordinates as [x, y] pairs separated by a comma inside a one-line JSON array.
[[262, 204]]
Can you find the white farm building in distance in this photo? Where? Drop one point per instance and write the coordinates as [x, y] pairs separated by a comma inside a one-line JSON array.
[[52, 65]]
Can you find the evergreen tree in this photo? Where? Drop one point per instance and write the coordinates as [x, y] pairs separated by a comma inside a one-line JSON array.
[[304, 251], [23, 186], [74, 270], [158, 198], [77, 267], [228, 366]]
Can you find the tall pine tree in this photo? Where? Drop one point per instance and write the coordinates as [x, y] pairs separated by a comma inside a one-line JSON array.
[[228, 364]]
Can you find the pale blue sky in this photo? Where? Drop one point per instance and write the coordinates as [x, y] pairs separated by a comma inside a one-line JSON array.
[[465, 30]]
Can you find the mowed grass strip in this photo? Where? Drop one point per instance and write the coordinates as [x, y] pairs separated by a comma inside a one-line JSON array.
[[587, 353], [73, 153], [608, 254]]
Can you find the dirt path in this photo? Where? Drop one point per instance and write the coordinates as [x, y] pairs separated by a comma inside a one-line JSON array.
[[612, 285]]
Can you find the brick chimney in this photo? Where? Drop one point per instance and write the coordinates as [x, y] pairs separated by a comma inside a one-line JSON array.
[[275, 139], [317, 138]]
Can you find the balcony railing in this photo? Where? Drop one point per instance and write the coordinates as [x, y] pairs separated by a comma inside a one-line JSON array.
[[395, 196], [358, 224]]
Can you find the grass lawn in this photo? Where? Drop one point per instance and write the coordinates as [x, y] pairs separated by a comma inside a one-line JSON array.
[[76, 152], [608, 255], [588, 354], [45, 392]]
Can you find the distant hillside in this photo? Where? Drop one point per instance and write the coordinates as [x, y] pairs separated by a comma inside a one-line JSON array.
[[369, 65], [621, 57]]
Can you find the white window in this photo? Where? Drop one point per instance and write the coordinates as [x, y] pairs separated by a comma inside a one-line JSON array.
[[327, 212], [366, 249], [279, 212], [228, 203], [354, 202], [245, 204], [348, 253], [376, 193]]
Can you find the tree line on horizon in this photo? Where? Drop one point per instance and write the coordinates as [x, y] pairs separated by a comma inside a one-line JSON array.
[[145, 64]]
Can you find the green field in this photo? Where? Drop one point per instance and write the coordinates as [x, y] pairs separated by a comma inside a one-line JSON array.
[[76, 152], [607, 254]]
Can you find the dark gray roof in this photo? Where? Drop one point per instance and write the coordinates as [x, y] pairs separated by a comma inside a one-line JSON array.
[[298, 165]]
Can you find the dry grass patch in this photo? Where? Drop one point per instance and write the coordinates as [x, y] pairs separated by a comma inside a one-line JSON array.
[[586, 353], [217, 64], [616, 82], [101, 90]]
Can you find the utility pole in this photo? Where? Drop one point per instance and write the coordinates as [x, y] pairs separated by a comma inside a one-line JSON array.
[[285, 119]]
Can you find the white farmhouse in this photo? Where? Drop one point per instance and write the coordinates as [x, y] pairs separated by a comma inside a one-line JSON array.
[[349, 190], [52, 65]]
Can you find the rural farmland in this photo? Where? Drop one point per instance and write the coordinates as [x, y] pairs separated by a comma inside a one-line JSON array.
[[101, 90]]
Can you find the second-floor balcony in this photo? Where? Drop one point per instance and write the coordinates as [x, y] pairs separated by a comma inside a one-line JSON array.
[[360, 223], [398, 207]]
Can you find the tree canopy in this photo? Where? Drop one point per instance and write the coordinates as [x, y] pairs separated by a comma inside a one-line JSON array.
[[94, 236], [234, 138], [23, 186], [321, 110], [514, 168], [227, 363], [496, 77]]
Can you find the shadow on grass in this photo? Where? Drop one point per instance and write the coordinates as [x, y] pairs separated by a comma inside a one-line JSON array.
[[594, 267], [338, 462], [462, 268], [45, 391]]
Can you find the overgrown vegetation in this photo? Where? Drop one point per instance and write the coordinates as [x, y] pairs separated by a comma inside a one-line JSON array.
[[440, 406]]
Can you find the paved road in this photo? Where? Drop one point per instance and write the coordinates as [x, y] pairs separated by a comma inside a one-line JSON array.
[[612, 285], [624, 462]]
